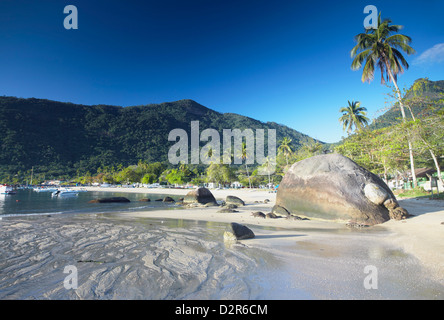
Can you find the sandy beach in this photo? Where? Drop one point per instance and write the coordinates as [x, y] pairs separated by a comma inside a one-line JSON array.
[[181, 254], [421, 235]]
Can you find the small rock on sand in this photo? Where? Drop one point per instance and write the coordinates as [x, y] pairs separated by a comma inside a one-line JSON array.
[[227, 210], [238, 232], [234, 200], [258, 214]]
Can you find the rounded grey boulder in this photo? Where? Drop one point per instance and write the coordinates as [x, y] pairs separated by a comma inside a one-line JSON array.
[[375, 193], [333, 187], [199, 195], [234, 200]]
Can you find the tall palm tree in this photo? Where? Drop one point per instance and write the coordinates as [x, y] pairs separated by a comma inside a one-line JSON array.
[[353, 116], [285, 148], [380, 49]]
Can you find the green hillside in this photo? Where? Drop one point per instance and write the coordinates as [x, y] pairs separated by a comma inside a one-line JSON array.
[[423, 97], [64, 138]]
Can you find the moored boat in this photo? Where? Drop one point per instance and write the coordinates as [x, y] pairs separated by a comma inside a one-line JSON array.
[[45, 189], [65, 192], [6, 189]]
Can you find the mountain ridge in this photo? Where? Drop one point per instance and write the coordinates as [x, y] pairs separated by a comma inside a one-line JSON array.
[[63, 138]]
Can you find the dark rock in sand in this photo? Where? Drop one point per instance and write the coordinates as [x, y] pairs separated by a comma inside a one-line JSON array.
[[168, 199], [398, 213], [234, 200], [227, 210], [211, 204], [293, 217], [145, 200], [271, 215], [332, 187], [108, 200], [239, 231], [280, 211], [200, 195], [390, 204], [231, 206], [158, 200], [258, 214]]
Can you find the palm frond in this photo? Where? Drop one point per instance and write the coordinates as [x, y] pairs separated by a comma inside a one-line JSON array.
[[381, 48]]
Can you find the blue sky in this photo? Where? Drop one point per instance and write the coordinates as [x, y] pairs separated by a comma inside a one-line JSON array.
[[281, 61]]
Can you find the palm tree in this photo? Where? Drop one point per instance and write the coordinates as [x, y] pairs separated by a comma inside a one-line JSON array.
[[285, 148], [268, 163], [380, 49], [353, 116]]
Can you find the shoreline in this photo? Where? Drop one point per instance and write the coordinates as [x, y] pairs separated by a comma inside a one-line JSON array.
[[421, 235], [287, 259]]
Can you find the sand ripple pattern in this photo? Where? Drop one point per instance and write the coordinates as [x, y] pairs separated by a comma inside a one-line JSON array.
[[131, 259]]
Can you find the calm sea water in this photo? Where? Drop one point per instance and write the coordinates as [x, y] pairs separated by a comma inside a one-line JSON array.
[[29, 202]]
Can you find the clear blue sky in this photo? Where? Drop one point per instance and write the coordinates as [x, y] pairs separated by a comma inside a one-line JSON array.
[[281, 61]]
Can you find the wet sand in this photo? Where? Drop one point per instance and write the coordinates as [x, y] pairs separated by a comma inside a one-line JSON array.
[[180, 254], [421, 235]]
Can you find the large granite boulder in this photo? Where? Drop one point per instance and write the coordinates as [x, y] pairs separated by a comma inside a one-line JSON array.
[[334, 187], [199, 195]]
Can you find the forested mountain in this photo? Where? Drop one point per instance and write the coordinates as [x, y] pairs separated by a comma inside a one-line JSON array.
[[67, 139], [423, 97]]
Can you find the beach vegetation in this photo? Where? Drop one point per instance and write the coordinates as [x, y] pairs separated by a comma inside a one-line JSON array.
[[285, 148], [382, 48], [353, 116]]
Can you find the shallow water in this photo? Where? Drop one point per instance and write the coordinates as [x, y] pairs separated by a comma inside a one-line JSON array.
[[119, 257], [28, 202]]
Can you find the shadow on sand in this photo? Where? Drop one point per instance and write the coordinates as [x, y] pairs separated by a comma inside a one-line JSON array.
[[274, 236]]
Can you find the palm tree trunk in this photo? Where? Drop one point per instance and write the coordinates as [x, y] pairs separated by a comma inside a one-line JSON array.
[[401, 106], [412, 164], [248, 175]]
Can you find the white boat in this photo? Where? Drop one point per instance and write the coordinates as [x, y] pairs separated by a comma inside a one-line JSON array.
[[65, 192], [44, 189], [5, 189]]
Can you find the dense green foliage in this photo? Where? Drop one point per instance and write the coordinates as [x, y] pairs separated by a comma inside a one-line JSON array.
[[423, 97], [64, 140], [384, 149], [381, 48]]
